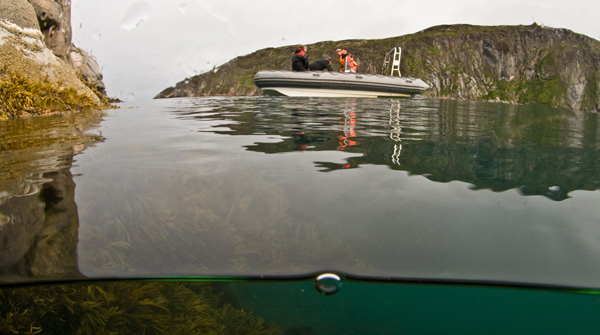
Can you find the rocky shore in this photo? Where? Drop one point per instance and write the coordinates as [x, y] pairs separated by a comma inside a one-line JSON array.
[[41, 71]]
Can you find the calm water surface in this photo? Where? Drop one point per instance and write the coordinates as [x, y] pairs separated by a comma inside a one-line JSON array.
[[278, 186]]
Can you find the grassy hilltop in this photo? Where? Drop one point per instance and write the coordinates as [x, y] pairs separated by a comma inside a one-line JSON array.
[[515, 64]]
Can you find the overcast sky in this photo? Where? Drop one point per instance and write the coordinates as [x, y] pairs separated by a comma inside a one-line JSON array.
[[146, 46]]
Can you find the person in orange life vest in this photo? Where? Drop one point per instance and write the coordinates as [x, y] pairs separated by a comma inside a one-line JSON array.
[[346, 57], [300, 59]]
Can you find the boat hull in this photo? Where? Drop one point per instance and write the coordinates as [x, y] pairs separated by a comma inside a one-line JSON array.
[[336, 84]]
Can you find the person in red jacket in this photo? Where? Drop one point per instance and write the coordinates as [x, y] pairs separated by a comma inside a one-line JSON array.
[[300, 59], [346, 57]]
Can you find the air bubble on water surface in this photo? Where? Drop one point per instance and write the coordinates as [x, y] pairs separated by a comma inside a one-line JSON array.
[[136, 13], [554, 188], [328, 283]]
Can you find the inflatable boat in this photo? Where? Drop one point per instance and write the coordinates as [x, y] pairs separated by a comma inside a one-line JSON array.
[[339, 84]]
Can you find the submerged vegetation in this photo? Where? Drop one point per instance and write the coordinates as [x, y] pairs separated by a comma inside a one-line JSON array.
[[213, 225], [126, 307]]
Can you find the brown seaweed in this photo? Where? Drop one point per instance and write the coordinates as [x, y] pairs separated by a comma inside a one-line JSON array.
[[127, 307]]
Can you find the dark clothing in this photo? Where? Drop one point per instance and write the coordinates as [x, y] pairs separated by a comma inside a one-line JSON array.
[[300, 61], [320, 65]]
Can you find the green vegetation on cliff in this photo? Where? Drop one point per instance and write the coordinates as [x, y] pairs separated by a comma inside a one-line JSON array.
[[515, 64]]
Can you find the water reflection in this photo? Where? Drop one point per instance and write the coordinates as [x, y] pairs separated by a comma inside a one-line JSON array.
[[38, 214], [270, 186], [535, 149]]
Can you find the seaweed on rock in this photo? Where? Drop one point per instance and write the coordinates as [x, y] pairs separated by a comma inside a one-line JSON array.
[[20, 96]]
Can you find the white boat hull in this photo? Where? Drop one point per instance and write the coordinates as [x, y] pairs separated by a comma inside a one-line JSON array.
[[310, 92], [336, 84]]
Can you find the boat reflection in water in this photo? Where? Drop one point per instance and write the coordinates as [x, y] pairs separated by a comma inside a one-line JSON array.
[[487, 149]]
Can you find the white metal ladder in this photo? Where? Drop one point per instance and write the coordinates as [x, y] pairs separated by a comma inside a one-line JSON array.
[[395, 61]]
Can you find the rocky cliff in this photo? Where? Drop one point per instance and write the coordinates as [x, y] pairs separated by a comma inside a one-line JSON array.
[[41, 71], [515, 64]]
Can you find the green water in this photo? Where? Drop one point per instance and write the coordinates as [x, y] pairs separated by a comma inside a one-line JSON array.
[[394, 308], [294, 307]]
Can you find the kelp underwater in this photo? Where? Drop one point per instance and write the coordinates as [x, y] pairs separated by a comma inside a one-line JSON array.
[[135, 238], [227, 225], [150, 229], [293, 307], [126, 307]]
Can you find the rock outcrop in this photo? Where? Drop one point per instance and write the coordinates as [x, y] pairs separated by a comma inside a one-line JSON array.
[[514, 64], [20, 13], [41, 70], [54, 17]]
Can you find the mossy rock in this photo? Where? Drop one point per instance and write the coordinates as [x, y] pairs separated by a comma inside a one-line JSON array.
[[33, 81]]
